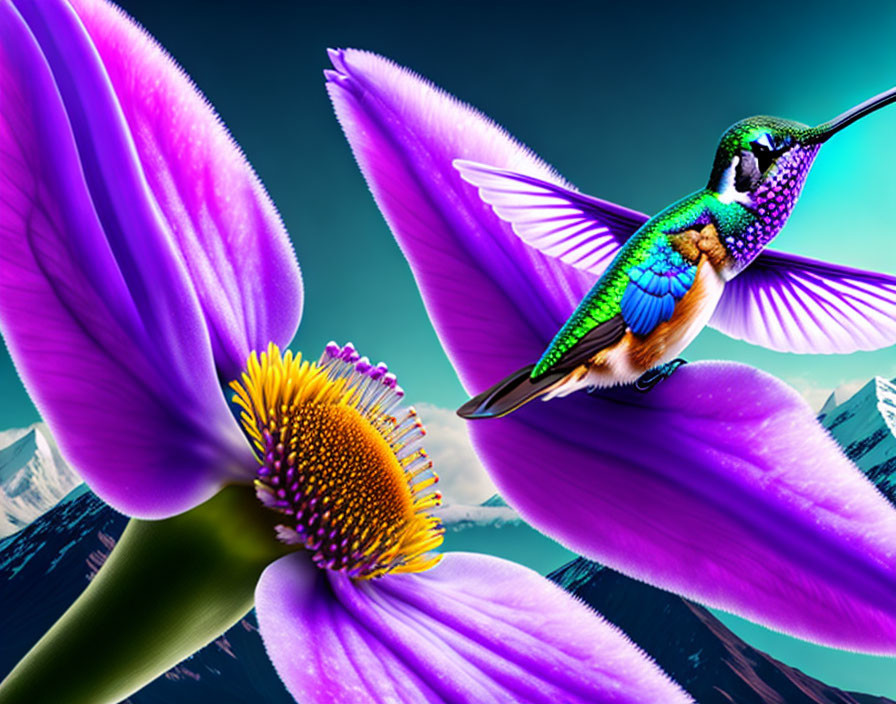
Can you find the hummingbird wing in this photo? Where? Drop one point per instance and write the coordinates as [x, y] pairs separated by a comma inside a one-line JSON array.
[[794, 304], [578, 229], [655, 286]]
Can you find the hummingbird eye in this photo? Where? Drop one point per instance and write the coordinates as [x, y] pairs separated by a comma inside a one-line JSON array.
[[765, 150], [764, 141]]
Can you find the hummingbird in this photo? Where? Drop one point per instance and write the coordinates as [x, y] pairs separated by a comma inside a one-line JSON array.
[[702, 260]]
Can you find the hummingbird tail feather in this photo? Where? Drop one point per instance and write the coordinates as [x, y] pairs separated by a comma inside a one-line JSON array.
[[508, 395]]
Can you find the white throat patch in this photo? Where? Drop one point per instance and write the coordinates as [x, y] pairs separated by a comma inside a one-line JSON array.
[[727, 192]]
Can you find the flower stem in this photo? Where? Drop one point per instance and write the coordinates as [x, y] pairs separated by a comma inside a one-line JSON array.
[[168, 588]]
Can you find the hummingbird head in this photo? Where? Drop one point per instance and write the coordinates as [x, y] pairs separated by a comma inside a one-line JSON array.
[[762, 162]]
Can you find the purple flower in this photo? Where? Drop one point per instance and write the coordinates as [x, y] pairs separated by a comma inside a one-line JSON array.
[[719, 484], [142, 267]]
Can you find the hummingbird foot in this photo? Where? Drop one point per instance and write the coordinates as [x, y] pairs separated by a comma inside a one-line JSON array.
[[654, 376]]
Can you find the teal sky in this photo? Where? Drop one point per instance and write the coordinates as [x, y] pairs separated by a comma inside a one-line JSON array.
[[627, 100]]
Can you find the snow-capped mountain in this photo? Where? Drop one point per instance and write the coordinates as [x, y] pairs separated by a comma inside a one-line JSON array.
[[865, 426], [33, 476]]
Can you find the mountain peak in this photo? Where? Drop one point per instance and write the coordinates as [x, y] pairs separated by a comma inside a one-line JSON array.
[[33, 476], [17, 454], [865, 427], [829, 405]]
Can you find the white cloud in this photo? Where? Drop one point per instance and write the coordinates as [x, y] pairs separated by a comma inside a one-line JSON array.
[[816, 394], [462, 478], [848, 389], [458, 517]]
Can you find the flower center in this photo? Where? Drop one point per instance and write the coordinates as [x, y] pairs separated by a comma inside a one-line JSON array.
[[340, 458]]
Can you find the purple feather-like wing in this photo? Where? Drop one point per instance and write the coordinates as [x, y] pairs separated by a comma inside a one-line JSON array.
[[718, 484], [580, 230], [473, 629], [98, 305], [794, 304]]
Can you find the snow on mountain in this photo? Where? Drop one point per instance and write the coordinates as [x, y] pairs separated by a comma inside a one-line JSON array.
[[33, 476], [865, 426]]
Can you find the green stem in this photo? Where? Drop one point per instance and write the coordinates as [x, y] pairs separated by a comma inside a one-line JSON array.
[[168, 588]]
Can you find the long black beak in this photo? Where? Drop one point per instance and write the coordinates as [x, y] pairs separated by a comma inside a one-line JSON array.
[[824, 131]]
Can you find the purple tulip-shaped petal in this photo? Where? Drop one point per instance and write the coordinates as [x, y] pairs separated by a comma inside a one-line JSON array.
[[473, 629], [119, 313], [718, 484], [405, 133], [222, 222]]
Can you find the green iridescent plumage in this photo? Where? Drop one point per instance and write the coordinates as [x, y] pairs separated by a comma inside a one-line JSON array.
[[604, 300]]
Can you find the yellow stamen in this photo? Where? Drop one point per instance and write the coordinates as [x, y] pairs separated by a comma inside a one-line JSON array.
[[336, 461]]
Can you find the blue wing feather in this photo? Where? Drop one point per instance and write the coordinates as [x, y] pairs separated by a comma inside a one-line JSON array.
[[655, 286]]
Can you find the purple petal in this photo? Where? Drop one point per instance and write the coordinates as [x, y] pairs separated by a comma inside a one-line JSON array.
[[475, 275], [221, 220], [473, 629], [718, 484], [96, 303], [794, 304]]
